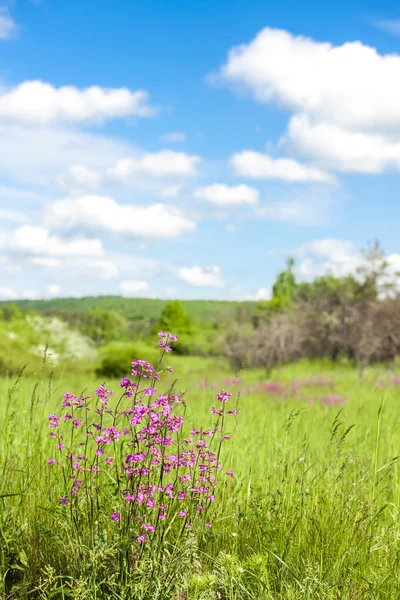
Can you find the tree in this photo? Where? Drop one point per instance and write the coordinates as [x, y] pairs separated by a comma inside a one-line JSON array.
[[174, 319]]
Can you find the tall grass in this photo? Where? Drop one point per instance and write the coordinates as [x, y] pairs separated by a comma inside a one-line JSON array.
[[311, 513]]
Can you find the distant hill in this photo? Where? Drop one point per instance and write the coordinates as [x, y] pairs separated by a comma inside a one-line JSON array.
[[135, 308]]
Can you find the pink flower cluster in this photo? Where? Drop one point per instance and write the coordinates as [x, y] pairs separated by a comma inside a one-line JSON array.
[[159, 474]]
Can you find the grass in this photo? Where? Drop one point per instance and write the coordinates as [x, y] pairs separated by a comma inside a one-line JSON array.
[[312, 513]]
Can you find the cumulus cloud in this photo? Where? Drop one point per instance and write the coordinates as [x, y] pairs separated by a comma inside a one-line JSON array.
[[343, 150], [225, 196], [345, 99], [45, 262], [38, 155], [263, 294], [174, 137], [100, 214], [351, 85], [171, 191], [78, 178], [339, 257], [133, 288], [37, 102], [163, 164], [12, 215], [202, 276], [8, 27], [261, 166], [30, 240]]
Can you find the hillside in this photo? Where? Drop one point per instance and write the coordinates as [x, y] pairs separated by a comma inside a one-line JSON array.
[[135, 308]]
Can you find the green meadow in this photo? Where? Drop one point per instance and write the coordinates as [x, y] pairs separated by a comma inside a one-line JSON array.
[[311, 512]]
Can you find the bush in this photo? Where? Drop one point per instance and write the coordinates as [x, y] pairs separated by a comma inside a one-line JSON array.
[[116, 358]]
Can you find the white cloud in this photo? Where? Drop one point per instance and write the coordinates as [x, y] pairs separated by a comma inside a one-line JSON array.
[[171, 192], [345, 100], [224, 196], [309, 208], [37, 102], [339, 257], [37, 155], [102, 268], [53, 290], [391, 26], [202, 276], [8, 27], [7, 293], [163, 164], [351, 85], [12, 215], [46, 262], [261, 166], [263, 294], [78, 179], [174, 137], [100, 214], [133, 288], [231, 227], [342, 150], [29, 240]]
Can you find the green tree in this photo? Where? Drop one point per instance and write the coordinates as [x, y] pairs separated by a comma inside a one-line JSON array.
[[174, 319], [104, 326]]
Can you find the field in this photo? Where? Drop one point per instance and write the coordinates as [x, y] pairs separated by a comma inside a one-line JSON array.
[[310, 512]]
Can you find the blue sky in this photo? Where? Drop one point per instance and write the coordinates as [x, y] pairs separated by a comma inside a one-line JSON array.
[[172, 149]]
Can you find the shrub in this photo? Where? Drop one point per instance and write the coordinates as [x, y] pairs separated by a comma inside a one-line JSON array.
[[116, 358]]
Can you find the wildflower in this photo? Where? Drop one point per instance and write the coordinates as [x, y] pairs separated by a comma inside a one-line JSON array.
[[109, 460], [63, 501], [230, 473], [208, 525], [224, 396], [125, 382], [115, 517], [99, 451], [182, 514], [141, 539], [149, 391], [51, 461], [148, 527]]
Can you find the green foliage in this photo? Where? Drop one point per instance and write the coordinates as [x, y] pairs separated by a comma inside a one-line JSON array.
[[104, 326], [116, 358], [174, 318], [202, 311]]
